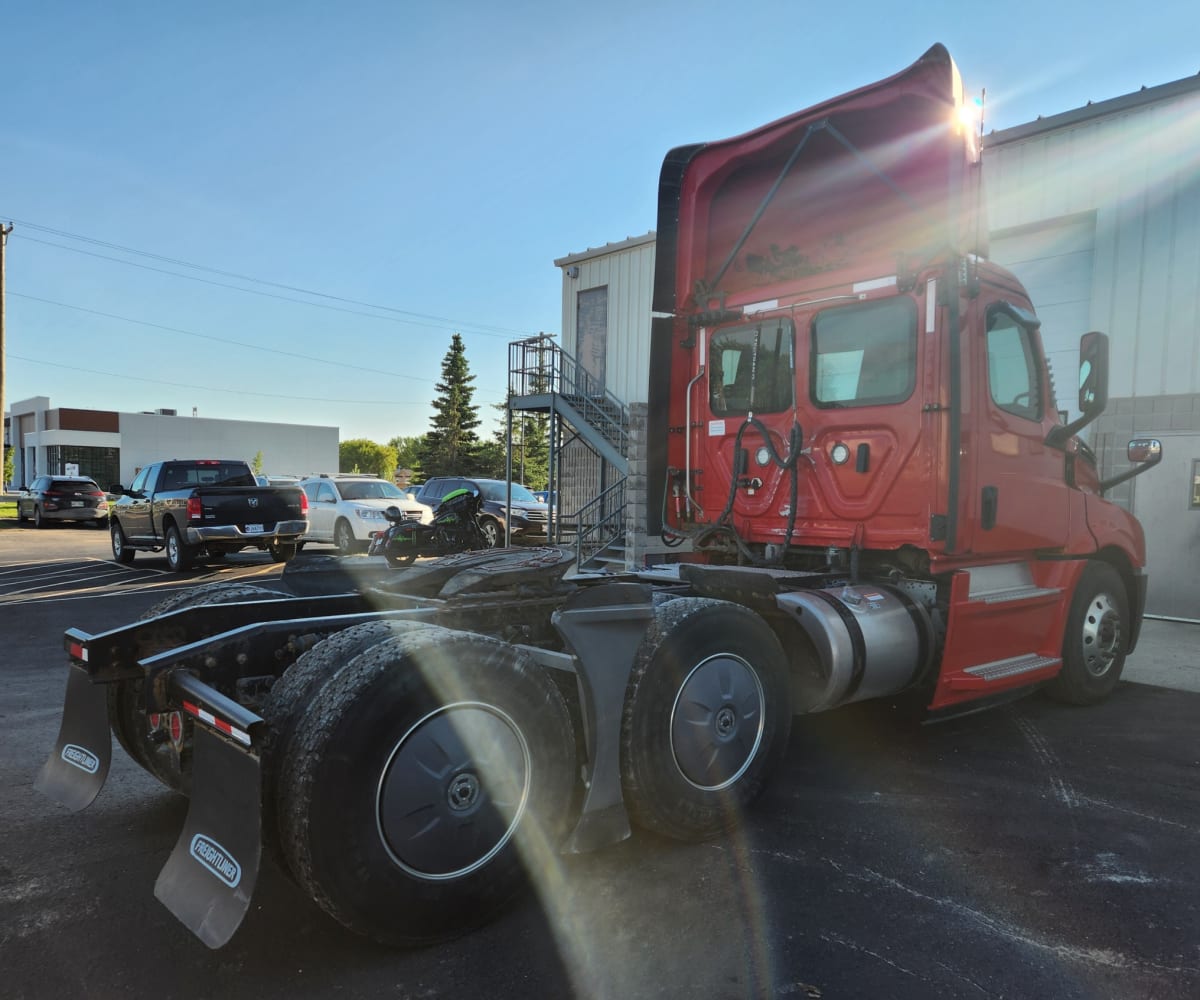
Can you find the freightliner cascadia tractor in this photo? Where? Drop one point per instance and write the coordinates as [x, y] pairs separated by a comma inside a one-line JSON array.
[[854, 429]]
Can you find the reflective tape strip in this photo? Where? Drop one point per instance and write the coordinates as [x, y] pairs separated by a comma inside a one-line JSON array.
[[220, 724]]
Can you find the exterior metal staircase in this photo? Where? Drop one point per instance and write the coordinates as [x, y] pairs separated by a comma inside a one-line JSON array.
[[589, 442]]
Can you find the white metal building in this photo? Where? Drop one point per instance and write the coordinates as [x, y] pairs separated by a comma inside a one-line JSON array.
[[1097, 211], [110, 446]]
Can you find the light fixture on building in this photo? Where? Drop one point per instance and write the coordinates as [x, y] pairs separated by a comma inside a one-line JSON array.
[[573, 271]]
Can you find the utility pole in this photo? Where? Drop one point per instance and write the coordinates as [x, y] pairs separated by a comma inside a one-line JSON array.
[[4, 231]]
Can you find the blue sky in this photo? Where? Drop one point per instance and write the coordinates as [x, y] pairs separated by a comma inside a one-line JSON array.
[[418, 165]]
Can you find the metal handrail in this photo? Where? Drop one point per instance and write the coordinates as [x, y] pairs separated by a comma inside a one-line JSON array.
[[538, 365], [592, 535]]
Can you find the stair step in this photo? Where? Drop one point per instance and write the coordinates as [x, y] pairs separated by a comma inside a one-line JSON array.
[[1000, 669]]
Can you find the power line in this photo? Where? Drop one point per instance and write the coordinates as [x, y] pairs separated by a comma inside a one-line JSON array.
[[209, 388], [374, 370], [484, 329]]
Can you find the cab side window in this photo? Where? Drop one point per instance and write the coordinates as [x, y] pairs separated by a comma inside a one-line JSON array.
[[865, 354], [139, 481], [1014, 376]]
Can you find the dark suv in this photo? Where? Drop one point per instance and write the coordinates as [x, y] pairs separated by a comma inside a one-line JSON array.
[[528, 515], [63, 498]]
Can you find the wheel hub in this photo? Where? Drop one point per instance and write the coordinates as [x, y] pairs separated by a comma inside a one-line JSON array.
[[453, 791], [464, 792], [1101, 635], [717, 721]]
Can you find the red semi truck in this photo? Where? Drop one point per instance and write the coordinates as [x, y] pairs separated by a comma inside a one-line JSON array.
[[859, 437]]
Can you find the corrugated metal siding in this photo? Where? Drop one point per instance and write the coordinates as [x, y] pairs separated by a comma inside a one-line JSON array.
[[1137, 173], [629, 276]]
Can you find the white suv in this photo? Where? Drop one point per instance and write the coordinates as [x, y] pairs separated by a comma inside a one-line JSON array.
[[348, 509]]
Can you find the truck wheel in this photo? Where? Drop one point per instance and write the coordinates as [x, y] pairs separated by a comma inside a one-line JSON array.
[[290, 697], [125, 716], [492, 534], [283, 552], [343, 538], [121, 551], [424, 780], [707, 715], [1094, 643], [179, 555]]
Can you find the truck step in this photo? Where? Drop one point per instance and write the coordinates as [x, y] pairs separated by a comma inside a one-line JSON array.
[[1000, 669], [1016, 594]]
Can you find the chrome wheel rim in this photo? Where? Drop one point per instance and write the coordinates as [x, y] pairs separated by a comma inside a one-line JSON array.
[[1101, 635]]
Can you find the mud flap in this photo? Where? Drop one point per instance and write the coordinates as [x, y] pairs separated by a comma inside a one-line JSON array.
[[209, 878], [77, 768]]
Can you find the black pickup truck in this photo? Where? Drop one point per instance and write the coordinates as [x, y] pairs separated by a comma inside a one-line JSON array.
[[205, 508]]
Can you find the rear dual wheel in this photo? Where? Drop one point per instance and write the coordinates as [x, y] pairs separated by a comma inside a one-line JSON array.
[[126, 716], [423, 781], [707, 716]]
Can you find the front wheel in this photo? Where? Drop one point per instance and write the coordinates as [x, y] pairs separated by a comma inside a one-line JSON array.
[[121, 551], [707, 715], [491, 532], [437, 769], [1097, 634], [179, 555]]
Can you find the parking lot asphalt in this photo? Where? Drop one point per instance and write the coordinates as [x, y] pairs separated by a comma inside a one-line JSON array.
[[1034, 850]]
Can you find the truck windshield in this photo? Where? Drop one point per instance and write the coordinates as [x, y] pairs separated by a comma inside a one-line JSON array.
[[865, 355], [751, 369]]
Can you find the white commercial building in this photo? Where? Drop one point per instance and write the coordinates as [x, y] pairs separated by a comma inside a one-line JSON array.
[[111, 447]]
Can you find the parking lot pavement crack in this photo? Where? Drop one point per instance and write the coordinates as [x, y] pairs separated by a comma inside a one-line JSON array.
[[1101, 957]]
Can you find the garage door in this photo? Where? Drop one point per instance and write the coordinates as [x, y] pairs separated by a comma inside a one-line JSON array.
[[1054, 262]]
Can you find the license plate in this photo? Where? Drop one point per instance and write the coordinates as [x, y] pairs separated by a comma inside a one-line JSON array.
[[254, 529], [76, 503]]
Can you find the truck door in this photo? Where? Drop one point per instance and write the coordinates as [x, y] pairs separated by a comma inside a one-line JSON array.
[[1017, 499], [135, 515]]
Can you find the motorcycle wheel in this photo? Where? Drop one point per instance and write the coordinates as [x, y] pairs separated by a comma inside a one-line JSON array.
[[396, 559]]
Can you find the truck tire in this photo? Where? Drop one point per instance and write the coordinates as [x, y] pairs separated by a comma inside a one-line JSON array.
[[424, 780], [1094, 642], [180, 555], [707, 716], [288, 700], [343, 538], [125, 717], [121, 551], [283, 552]]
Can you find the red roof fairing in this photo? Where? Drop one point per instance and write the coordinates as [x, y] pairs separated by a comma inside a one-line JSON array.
[[835, 193]]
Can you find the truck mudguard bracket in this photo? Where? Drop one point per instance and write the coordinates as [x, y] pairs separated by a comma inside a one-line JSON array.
[[209, 878], [604, 627], [76, 769]]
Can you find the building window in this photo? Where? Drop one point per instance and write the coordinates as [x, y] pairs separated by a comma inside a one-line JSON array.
[[1195, 504], [101, 464]]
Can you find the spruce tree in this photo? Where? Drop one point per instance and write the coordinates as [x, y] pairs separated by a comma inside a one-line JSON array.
[[450, 446]]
